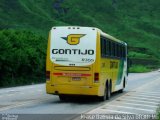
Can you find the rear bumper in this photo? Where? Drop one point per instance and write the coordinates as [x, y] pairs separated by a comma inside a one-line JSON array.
[[73, 90]]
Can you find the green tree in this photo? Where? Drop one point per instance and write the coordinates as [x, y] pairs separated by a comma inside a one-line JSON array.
[[22, 57]]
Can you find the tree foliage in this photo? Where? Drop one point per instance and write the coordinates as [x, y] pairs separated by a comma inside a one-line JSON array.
[[22, 57]]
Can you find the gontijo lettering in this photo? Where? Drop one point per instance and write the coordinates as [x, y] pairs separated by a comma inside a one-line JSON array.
[[73, 51]]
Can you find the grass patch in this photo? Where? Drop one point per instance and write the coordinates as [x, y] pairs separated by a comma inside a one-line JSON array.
[[138, 55], [139, 69], [158, 113]]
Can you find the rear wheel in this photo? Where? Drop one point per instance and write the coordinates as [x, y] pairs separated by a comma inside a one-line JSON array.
[[121, 90], [62, 97], [103, 98], [107, 93]]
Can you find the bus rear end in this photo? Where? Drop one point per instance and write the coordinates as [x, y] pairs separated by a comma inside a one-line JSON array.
[[71, 61]]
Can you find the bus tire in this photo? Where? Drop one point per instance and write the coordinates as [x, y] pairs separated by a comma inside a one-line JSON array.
[[108, 92], [104, 97], [122, 90], [62, 97]]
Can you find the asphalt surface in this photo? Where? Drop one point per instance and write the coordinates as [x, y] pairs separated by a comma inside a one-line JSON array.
[[141, 96]]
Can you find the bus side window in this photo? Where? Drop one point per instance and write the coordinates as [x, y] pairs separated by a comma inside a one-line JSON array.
[[118, 50], [111, 49], [123, 51], [107, 47], [102, 47], [114, 49]]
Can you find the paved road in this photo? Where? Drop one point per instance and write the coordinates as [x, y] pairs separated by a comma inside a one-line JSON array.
[[140, 96]]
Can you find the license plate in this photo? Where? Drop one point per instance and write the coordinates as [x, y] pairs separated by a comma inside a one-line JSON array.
[[76, 78]]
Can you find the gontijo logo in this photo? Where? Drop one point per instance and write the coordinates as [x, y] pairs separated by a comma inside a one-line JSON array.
[[73, 39]]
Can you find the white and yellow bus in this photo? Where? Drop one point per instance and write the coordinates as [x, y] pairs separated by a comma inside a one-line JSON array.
[[85, 61]]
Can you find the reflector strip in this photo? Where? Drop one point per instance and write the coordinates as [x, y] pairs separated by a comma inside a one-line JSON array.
[[72, 74], [58, 74]]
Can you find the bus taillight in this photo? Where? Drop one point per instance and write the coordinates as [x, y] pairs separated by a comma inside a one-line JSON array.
[[47, 75], [96, 77]]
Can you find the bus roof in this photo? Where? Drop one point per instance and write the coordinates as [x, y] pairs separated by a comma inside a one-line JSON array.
[[94, 28]]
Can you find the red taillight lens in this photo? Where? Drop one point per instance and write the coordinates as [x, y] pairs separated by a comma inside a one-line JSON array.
[[47, 75], [96, 77]]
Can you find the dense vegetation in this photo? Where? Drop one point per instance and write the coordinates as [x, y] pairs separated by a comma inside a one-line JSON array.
[[24, 26], [22, 57]]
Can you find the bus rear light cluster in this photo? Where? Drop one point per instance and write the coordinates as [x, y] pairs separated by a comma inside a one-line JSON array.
[[96, 77], [47, 75]]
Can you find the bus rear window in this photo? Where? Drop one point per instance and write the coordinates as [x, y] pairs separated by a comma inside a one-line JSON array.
[[73, 46]]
